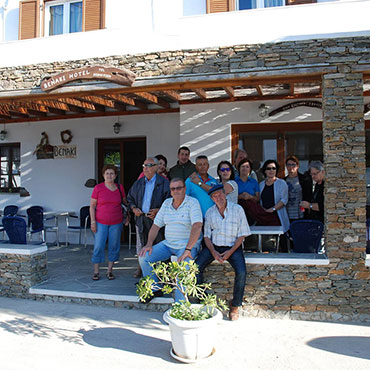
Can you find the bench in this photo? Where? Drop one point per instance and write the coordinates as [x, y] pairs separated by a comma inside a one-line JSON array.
[[267, 230]]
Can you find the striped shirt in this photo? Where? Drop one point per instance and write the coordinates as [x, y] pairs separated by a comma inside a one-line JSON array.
[[223, 231], [178, 222]]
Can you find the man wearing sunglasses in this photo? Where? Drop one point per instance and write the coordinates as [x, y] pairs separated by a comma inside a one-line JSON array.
[[146, 197], [182, 220]]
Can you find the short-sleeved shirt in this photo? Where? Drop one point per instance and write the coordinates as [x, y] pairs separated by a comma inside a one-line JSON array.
[[108, 207], [178, 222], [233, 195], [197, 192], [223, 231], [250, 186]]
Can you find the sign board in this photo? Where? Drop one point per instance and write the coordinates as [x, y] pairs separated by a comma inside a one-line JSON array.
[[303, 103], [65, 151], [120, 76]]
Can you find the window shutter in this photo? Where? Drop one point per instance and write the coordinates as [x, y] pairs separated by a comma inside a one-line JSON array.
[[298, 2], [93, 15], [217, 6], [28, 19]]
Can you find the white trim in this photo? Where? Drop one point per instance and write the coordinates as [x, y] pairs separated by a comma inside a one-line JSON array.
[[21, 249], [287, 259], [107, 297], [367, 260]]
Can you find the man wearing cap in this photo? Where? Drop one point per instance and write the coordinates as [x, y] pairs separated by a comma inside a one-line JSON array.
[[225, 228], [182, 220]]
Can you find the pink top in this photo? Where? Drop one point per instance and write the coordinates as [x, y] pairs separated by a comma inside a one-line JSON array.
[[108, 208]]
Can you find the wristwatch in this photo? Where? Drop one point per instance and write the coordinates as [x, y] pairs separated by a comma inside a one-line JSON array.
[[200, 183], [310, 205], [274, 209]]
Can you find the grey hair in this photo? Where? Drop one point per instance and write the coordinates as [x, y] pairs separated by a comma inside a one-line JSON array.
[[239, 150], [317, 165], [154, 159]]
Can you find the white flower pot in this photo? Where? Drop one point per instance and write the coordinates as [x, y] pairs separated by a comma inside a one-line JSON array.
[[192, 340]]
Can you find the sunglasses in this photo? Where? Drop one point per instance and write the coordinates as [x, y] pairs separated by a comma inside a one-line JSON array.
[[177, 188], [227, 169], [270, 168], [149, 165]]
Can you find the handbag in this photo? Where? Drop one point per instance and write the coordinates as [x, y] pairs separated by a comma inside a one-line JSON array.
[[123, 206]]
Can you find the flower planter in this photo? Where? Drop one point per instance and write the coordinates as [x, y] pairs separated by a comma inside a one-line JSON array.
[[192, 340]]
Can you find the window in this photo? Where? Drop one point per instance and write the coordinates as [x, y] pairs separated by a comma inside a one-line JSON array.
[[57, 17], [10, 167], [63, 17]]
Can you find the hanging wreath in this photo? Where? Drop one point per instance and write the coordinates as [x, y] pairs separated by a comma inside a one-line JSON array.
[[66, 136]]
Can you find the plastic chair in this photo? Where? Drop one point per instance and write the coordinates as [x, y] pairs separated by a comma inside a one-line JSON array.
[[306, 235], [16, 229], [10, 210], [84, 224], [36, 223]]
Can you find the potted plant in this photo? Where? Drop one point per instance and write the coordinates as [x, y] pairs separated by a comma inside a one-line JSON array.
[[192, 326]]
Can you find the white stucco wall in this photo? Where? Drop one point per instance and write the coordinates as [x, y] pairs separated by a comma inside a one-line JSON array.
[[58, 184]]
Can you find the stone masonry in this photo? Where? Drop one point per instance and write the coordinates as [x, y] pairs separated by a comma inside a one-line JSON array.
[[19, 272], [340, 290]]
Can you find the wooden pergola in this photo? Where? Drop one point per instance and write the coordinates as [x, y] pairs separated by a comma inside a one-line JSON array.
[[160, 94]]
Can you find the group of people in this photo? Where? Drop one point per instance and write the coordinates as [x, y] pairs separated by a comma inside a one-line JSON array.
[[187, 213]]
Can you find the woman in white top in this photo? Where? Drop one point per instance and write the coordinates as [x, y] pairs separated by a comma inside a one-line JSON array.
[[226, 175]]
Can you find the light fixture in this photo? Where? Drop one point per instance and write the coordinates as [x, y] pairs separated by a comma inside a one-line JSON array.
[[3, 134], [263, 110], [117, 127]]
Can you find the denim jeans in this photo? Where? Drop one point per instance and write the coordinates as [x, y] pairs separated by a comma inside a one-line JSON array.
[[161, 252], [113, 234], [236, 260]]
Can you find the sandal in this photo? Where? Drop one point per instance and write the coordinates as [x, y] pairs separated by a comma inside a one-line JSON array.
[[110, 276], [96, 276]]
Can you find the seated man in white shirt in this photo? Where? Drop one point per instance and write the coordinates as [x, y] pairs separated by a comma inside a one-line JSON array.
[[225, 228], [182, 219]]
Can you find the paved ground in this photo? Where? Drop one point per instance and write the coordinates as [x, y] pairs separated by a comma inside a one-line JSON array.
[[44, 335]]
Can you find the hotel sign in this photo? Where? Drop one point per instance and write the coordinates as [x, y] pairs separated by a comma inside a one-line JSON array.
[[119, 76], [303, 103], [65, 151]]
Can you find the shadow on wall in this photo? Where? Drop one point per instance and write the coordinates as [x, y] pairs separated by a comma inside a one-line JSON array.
[[348, 346]]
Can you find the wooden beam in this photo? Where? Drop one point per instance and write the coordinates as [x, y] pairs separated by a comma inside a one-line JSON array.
[[18, 114], [201, 93], [172, 94], [153, 99], [259, 90], [4, 116], [229, 91], [127, 100], [252, 98], [81, 104], [38, 113], [291, 88]]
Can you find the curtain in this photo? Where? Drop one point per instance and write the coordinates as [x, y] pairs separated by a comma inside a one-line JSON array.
[[247, 4], [56, 20], [75, 17]]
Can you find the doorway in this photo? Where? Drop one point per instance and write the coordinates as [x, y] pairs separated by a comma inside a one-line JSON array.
[[127, 154]]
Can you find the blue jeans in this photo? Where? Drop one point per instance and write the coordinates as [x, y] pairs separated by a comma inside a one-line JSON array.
[[113, 234], [162, 252], [237, 262]]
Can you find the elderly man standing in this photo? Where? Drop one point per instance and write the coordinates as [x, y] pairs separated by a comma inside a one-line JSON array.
[[199, 182], [184, 166], [146, 197], [182, 219], [225, 228]]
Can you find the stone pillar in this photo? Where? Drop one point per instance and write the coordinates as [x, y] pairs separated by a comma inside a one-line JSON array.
[[345, 188]]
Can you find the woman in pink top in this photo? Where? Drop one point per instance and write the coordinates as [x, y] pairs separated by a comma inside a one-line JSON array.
[[106, 220]]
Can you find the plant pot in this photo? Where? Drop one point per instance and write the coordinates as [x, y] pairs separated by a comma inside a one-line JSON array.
[[192, 340]]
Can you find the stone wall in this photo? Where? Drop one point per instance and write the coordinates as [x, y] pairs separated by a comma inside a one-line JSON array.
[[19, 272], [266, 57]]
